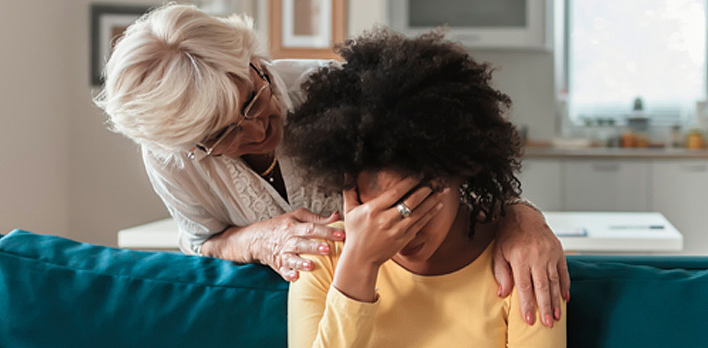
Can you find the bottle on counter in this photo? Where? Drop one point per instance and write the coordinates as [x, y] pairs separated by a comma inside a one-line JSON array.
[[602, 136], [615, 139], [675, 137], [628, 139], [694, 139]]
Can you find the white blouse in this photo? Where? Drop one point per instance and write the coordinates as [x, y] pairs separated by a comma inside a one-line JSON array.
[[209, 194]]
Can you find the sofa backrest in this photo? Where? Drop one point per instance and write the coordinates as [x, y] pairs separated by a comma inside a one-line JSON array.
[[55, 292], [638, 301]]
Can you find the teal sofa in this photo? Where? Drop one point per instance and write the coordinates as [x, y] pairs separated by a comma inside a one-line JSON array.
[[55, 292]]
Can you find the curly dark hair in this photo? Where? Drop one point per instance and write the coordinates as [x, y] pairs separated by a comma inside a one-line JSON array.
[[420, 106]]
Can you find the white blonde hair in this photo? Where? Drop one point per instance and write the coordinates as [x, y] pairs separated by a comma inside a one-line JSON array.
[[170, 79]]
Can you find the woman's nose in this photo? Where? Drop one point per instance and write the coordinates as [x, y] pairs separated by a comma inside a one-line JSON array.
[[256, 127]]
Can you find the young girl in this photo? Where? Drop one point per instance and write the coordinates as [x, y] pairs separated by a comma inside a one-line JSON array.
[[404, 120]]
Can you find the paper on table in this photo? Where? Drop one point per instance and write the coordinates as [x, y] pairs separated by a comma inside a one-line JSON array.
[[570, 232]]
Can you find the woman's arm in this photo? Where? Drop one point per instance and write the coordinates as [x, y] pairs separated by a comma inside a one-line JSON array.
[[277, 242], [528, 254], [201, 215]]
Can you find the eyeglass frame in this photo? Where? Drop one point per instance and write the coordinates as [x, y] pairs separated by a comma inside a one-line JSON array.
[[263, 75]]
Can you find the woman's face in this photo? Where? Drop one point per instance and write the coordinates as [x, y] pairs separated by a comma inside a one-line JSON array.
[[259, 135], [431, 236]]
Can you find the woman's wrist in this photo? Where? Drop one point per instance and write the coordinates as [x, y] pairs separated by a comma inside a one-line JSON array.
[[223, 246], [525, 202]]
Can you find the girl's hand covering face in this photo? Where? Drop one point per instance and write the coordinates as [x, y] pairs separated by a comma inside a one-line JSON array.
[[376, 231]]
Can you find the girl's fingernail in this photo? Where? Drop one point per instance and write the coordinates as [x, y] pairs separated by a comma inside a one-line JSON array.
[[293, 275], [529, 318], [307, 264], [567, 296], [557, 313], [323, 248], [339, 235], [499, 291]]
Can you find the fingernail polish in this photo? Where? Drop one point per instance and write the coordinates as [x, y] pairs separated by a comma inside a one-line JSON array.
[[529, 318], [323, 248], [557, 313], [307, 264], [339, 235], [294, 275], [499, 291], [567, 296], [549, 321]]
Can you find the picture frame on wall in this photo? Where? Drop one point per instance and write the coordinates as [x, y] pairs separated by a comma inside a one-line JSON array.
[[306, 28], [108, 23]]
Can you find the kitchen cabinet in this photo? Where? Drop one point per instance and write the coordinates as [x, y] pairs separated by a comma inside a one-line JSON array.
[[541, 183], [679, 190], [606, 185], [673, 182]]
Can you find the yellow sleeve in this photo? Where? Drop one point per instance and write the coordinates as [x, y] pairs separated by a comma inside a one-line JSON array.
[[522, 335], [321, 316]]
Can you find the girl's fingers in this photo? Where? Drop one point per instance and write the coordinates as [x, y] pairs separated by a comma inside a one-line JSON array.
[[350, 198], [424, 219], [417, 197], [393, 195]]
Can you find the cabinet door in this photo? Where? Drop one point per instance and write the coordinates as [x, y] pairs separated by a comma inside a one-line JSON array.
[[680, 192], [541, 183], [606, 185]]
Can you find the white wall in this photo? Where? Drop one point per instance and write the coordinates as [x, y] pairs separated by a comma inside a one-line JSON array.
[[35, 99], [61, 171], [108, 187]]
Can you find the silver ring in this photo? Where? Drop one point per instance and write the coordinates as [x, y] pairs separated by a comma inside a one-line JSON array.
[[403, 209]]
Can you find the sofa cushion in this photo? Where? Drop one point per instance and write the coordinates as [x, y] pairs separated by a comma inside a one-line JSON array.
[[638, 302], [61, 293]]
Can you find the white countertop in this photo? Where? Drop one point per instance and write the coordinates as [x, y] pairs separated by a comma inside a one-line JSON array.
[[617, 232], [606, 232]]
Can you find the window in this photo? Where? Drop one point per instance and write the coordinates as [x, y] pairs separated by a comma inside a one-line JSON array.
[[617, 52]]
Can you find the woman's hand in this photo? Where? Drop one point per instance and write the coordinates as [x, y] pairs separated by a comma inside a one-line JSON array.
[[527, 248], [376, 231], [277, 242]]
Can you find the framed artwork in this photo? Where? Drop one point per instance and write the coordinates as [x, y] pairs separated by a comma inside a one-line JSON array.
[[306, 28], [108, 22]]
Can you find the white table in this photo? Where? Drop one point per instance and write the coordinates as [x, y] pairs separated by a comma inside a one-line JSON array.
[[607, 232]]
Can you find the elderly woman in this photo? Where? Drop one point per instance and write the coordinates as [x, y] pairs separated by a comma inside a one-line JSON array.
[[207, 108], [398, 115]]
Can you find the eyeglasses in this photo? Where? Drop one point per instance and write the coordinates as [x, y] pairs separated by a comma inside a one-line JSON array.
[[252, 108]]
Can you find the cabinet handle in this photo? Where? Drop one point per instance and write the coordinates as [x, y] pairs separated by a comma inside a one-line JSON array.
[[606, 167], [694, 168]]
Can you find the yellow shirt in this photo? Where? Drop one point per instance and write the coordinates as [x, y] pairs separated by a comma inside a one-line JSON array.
[[458, 309]]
